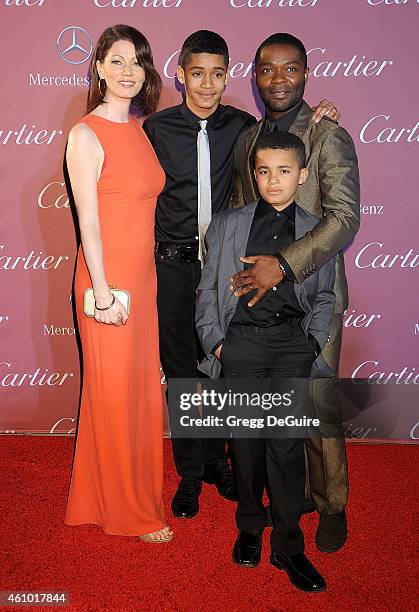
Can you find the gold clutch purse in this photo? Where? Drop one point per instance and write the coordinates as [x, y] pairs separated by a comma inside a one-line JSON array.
[[121, 295]]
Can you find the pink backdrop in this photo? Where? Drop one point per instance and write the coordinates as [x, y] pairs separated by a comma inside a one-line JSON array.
[[362, 55]]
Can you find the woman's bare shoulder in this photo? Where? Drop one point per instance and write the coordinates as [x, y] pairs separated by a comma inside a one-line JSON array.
[[81, 137]]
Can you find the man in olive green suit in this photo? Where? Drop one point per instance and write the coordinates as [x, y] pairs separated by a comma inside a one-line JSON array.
[[331, 192]]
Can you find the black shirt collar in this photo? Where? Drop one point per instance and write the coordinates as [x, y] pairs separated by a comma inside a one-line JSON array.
[[284, 122], [194, 120], [263, 208]]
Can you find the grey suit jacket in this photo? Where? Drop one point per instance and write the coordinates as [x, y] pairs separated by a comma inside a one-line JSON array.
[[331, 192], [226, 239]]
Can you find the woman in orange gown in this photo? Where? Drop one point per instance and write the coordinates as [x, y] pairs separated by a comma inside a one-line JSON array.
[[117, 473]]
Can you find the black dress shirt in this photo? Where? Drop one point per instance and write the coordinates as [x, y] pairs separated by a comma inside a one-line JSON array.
[[282, 124], [270, 231], [173, 133]]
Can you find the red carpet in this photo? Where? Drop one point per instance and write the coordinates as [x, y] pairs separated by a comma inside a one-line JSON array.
[[374, 571]]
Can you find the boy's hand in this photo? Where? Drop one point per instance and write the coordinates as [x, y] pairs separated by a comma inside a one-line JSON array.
[[217, 353], [325, 109], [263, 275]]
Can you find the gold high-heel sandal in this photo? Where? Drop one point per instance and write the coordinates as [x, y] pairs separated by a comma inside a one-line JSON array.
[[166, 538]]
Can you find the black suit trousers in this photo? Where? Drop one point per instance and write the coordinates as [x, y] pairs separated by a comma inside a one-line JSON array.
[[179, 353], [274, 353]]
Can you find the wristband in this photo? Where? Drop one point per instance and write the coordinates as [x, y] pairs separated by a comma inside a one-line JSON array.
[[281, 267]]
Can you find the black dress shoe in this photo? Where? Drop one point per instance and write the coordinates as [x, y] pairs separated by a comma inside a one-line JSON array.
[[302, 574], [331, 532], [221, 475], [247, 549], [185, 502]]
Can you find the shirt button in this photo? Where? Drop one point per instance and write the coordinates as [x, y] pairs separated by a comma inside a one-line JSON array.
[[274, 288], [275, 237], [278, 214], [196, 237]]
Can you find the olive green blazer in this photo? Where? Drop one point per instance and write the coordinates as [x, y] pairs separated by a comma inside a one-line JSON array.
[[331, 193]]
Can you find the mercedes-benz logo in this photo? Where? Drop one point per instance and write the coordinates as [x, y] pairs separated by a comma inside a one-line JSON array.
[[75, 45]]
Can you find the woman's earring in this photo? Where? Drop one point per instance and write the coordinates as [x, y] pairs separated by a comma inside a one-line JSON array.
[[100, 90]]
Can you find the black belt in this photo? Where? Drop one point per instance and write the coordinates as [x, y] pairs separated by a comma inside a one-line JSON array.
[[185, 253]]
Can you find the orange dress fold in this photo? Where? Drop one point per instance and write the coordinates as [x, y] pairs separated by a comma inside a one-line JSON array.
[[117, 474]]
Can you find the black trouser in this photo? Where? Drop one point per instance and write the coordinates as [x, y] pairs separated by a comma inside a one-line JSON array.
[[275, 353], [180, 351]]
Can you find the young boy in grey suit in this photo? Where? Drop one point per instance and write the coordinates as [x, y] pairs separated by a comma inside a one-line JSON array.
[[280, 337]]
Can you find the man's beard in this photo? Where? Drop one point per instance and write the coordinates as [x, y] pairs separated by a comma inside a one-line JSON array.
[[282, 106]]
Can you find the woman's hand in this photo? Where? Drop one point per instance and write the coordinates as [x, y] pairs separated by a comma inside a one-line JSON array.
[[116, 315]]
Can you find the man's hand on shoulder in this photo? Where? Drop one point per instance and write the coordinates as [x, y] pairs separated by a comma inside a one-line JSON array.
[[265, 274], [325, 108]]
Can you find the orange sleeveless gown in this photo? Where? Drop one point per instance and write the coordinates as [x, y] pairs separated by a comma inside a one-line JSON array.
[[117, 474]]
